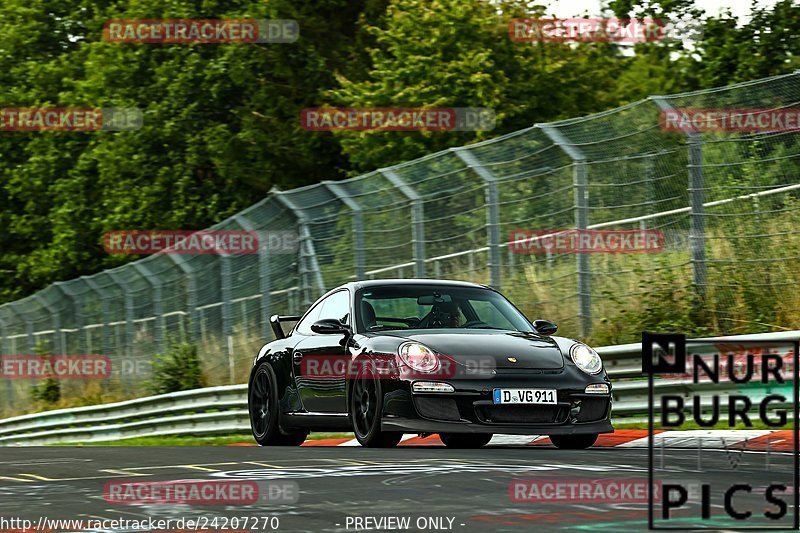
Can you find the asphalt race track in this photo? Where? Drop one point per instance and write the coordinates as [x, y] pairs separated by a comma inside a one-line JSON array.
[[449, 490]]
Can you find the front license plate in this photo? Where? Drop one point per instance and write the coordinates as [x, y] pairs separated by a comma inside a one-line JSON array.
[[502, 396]]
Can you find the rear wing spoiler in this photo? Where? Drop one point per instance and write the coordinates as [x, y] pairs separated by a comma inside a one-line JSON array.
[[275, 322]]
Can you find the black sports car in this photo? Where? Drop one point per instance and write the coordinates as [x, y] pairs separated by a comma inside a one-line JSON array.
[[387, 357]]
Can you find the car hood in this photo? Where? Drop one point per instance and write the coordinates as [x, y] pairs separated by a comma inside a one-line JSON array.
[[509, 349]]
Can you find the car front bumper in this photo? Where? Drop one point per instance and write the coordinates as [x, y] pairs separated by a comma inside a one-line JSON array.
[[470, 408], [410, 425]]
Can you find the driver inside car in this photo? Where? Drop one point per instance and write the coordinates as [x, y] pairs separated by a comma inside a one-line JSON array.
[[445, 315]]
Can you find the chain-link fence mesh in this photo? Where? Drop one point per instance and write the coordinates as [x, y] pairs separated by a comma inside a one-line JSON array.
[[726, 203]]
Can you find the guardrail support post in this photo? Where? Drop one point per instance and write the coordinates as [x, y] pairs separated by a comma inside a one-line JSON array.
[[492, 213], [160, 328], [417, 219], [358, 225], [697, 231], [307, 253], [580, 184]]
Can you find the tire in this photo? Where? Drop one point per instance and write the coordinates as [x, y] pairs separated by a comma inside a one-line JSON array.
[[573, 442], [465, 440], [365, 406], [262, 405]]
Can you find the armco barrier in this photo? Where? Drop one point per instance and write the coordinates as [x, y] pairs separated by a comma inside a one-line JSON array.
[[223, 410]]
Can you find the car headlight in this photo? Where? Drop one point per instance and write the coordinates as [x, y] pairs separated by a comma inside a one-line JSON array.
[[586, 359], [418, 356]]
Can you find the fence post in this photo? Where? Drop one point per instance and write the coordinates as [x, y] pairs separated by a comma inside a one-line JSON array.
[[697, 230], [29, 335], [307, 252], [227, 323], [130, 333], [492, 213], [417, 219], [650, 190], [77, 310], [580, 183], [191, 295], [302, 271], [581, 222], [358, 225], [104, 310], [160, 327], [291, 298], [58, 341], [264, 282], [3, 337]]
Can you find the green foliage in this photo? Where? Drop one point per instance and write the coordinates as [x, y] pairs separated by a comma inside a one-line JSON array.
[[666, 305], [454, 53], [221, 122], [176, 370], [764, 46], [47, 391], [220, 125]]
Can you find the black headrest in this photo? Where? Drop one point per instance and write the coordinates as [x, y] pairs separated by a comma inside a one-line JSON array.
[[368, 314]]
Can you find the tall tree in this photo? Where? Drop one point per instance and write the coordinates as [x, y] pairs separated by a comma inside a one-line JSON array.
[[221, 123], [454, 53]]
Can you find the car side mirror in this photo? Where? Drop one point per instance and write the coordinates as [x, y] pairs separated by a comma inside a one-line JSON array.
[[330, 326], [544, 327]]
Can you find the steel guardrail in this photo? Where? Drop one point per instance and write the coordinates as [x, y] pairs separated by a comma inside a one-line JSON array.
[[223, 410]]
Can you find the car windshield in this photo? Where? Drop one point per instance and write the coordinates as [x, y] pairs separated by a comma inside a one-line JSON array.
[[436, 306]]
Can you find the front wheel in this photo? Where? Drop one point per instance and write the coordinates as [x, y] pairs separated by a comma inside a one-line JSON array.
[[366, 406], [465, 440], [262, 405], [573, 442]]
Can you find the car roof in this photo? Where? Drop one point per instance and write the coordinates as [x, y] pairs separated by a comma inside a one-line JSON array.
[[415, 281]]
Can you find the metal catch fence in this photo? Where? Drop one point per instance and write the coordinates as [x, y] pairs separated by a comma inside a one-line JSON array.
[[726, 203]]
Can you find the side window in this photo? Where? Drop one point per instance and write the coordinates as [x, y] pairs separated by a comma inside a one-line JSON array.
[[304, 326], [337, 305]]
